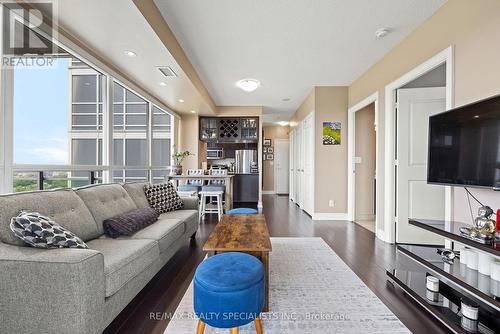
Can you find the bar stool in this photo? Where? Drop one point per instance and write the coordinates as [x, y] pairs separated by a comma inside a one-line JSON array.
[[217, 194], [194, 184], [216, 185]]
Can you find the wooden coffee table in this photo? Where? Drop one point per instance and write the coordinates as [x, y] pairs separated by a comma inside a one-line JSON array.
[[243, 233]]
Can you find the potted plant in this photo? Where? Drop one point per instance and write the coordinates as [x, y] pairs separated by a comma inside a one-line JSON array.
[[178, 158]]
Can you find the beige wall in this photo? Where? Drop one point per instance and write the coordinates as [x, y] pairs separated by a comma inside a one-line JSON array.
[[473, 29], [188, 131], [365, 170], [272, 132], [305, 109], [330, 161]]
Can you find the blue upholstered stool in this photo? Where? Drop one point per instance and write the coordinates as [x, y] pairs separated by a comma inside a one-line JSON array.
[[229, 291], [242, 211]]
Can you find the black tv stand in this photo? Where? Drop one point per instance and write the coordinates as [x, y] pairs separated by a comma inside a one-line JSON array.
[[456, 280]]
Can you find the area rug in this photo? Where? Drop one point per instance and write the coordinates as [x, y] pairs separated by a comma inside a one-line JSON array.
[[311, 291]]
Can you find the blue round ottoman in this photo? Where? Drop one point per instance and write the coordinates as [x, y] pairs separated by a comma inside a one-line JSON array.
[[229, 291], [242, 211]]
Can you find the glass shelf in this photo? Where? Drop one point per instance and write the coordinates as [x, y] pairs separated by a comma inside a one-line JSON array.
[[471, 280], [445, 305], [451, 230]]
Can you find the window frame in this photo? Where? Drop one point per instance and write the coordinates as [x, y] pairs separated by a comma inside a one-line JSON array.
[[105, 132]]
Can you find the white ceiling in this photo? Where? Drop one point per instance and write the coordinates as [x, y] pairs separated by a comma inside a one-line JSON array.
[[112, 26], [289, 45]]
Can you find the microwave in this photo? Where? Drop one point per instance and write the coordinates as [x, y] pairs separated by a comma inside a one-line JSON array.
[[215, 153]]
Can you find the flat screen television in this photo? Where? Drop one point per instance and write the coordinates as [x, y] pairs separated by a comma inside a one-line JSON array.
[[464, 146]]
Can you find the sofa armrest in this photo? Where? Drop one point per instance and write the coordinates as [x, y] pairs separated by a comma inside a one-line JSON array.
[[51, 290], [190, 203]]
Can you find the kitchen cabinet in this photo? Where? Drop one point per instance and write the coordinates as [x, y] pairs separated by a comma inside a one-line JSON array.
[[229, 130], [246, 188], [208, 129]]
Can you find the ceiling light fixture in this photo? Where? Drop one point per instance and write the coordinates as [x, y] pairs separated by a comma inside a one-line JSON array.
[[130, 53], [382, 32], [161, 83], [181, 100], [286, 99], [248, 85], [193, 111], [283, 123]]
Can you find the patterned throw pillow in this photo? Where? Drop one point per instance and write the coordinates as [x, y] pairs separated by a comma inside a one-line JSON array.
[[42, 232], [163, 197], [130, 222]]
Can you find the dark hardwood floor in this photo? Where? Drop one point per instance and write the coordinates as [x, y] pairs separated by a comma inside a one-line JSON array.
[[359, 249]]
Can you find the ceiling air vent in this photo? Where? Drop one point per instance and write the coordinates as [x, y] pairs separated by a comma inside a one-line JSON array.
[[167, 71]]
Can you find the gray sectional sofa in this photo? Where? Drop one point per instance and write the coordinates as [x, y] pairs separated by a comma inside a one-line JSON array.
[[82, 290]]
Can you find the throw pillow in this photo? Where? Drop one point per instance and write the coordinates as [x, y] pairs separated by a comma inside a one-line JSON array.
[[163, 197], [130, 222], [42, 232]]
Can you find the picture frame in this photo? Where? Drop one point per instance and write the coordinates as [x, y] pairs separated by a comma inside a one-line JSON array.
[[267, 142], [270, 150], [332, 133], [269, 156]]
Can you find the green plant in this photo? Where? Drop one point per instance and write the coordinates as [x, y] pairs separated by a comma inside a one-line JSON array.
[[180, 156]]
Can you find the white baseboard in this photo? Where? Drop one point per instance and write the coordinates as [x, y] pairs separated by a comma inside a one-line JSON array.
[[330, 216], [365, 217], [268, 192]]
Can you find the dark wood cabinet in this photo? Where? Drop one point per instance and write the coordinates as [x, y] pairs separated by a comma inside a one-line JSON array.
[[229, 130], [246, 188]]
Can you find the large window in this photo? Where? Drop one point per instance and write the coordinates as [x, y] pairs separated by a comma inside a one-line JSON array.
[[59, 134], [40, 113]]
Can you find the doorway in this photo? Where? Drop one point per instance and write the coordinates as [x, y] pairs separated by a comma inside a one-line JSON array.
[[281, 166], [368, 214], [365, 167], [409, 101]]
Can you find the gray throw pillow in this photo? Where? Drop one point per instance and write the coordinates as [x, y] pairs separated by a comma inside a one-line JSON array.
[[42, 232], [130, 222], [163, 197]]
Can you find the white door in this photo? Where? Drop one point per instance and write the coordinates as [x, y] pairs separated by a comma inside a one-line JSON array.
[[414, 197], [298, 166], [308, 164], [281, 165], [291, 190]]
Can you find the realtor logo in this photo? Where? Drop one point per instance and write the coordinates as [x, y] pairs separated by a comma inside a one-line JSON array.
[[27, 33]]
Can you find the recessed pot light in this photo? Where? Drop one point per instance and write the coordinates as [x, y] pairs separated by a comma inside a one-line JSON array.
[[193, 111], [130, 53], [286, 99], [161, 83], [248, 85], [181, 100], [283, 123]]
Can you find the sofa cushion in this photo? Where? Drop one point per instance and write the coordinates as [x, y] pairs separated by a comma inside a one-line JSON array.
[[180, 214], [163, 197], [124, 259], [165, 231], [130, 222], [136, 191], [42, 232], [62, 206], [105, 201]]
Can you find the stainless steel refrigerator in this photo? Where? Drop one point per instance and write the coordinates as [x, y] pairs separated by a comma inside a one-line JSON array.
[[246, 162]]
